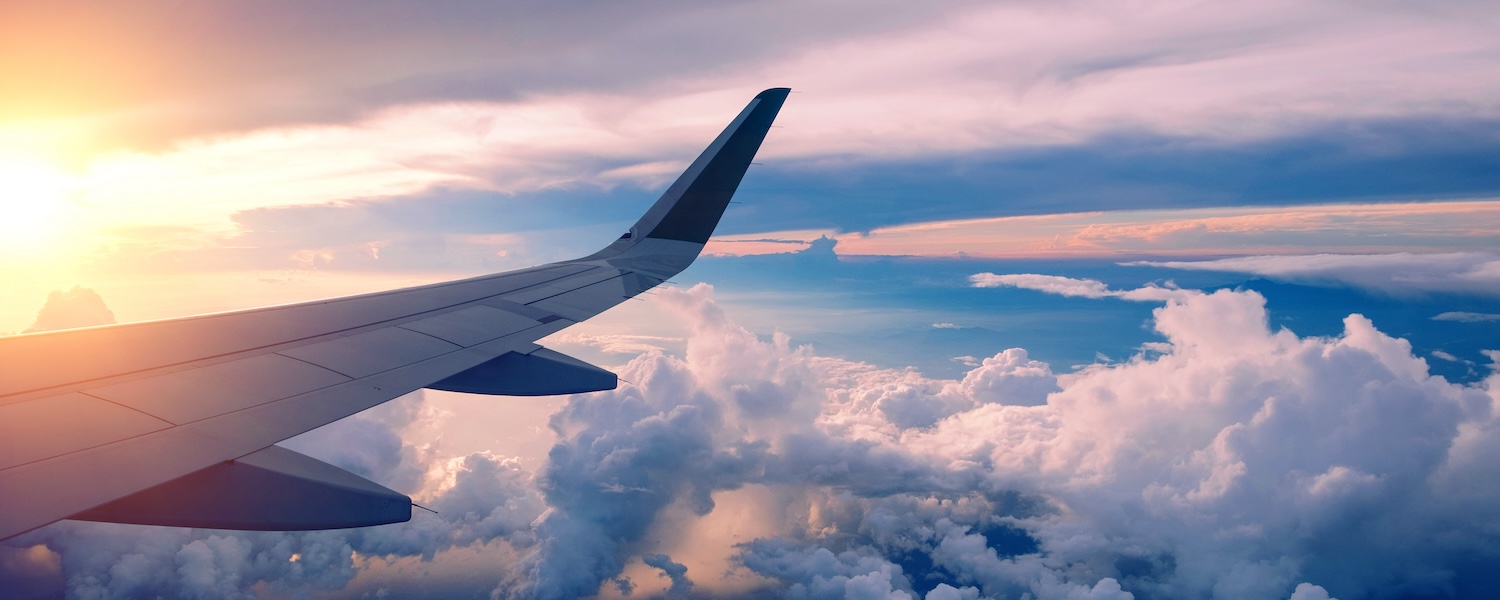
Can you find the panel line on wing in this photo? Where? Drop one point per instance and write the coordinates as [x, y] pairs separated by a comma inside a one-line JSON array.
[[127, 406], [27, 436], [486, 349], [184, 396]]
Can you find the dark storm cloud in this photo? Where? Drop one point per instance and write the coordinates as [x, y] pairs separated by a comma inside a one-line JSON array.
[[676, 572]]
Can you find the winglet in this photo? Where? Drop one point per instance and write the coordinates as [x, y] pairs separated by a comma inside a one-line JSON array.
[[690, 209]]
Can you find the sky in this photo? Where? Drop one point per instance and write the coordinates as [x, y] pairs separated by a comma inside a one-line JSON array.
[[1070, 300]]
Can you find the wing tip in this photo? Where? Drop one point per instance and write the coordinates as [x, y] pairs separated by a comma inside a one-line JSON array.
[[776, 92], [689, 210]]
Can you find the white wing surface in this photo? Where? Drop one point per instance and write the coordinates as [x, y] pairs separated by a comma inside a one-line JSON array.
[[174, 422]]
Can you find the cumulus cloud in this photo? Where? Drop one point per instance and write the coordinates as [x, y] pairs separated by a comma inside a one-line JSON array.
[[1217, 465], [78, 307], [1308, 591], [1400, 273], [1230, 461], [620, 343]]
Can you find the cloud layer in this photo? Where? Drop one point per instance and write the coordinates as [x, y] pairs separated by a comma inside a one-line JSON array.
[[620, 102], [1008, 73], [1342, 228], [1401, 273], [1233, 461]]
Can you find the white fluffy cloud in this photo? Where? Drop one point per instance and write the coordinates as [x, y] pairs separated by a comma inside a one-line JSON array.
[[1235, 463], [1232, 462]]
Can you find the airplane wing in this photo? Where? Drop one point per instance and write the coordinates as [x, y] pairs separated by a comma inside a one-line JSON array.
[[174, 422]]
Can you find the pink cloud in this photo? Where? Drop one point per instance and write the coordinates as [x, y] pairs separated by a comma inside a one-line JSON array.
[[1346, 228]]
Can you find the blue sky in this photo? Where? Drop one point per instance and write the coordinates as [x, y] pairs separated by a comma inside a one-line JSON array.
[[1065, 300]]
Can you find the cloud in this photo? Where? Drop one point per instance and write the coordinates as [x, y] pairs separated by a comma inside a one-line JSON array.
[[1175, 473], [1081, 288], [149, 88], [1275, 66], [676, 572], [1084, 453], [1401, 273], [782, 242], [1466, 317], [1308, 591], [815, 572], [78, 307], [620, 101], [623, 343], [1196, 231], [1226, 462]]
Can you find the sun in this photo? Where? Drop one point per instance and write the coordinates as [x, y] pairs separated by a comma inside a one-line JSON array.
[[34, 198]]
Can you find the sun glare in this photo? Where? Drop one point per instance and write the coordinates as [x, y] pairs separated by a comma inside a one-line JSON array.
[[33, 200]]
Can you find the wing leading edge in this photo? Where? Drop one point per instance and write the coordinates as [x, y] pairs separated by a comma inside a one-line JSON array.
[[173, 422]]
